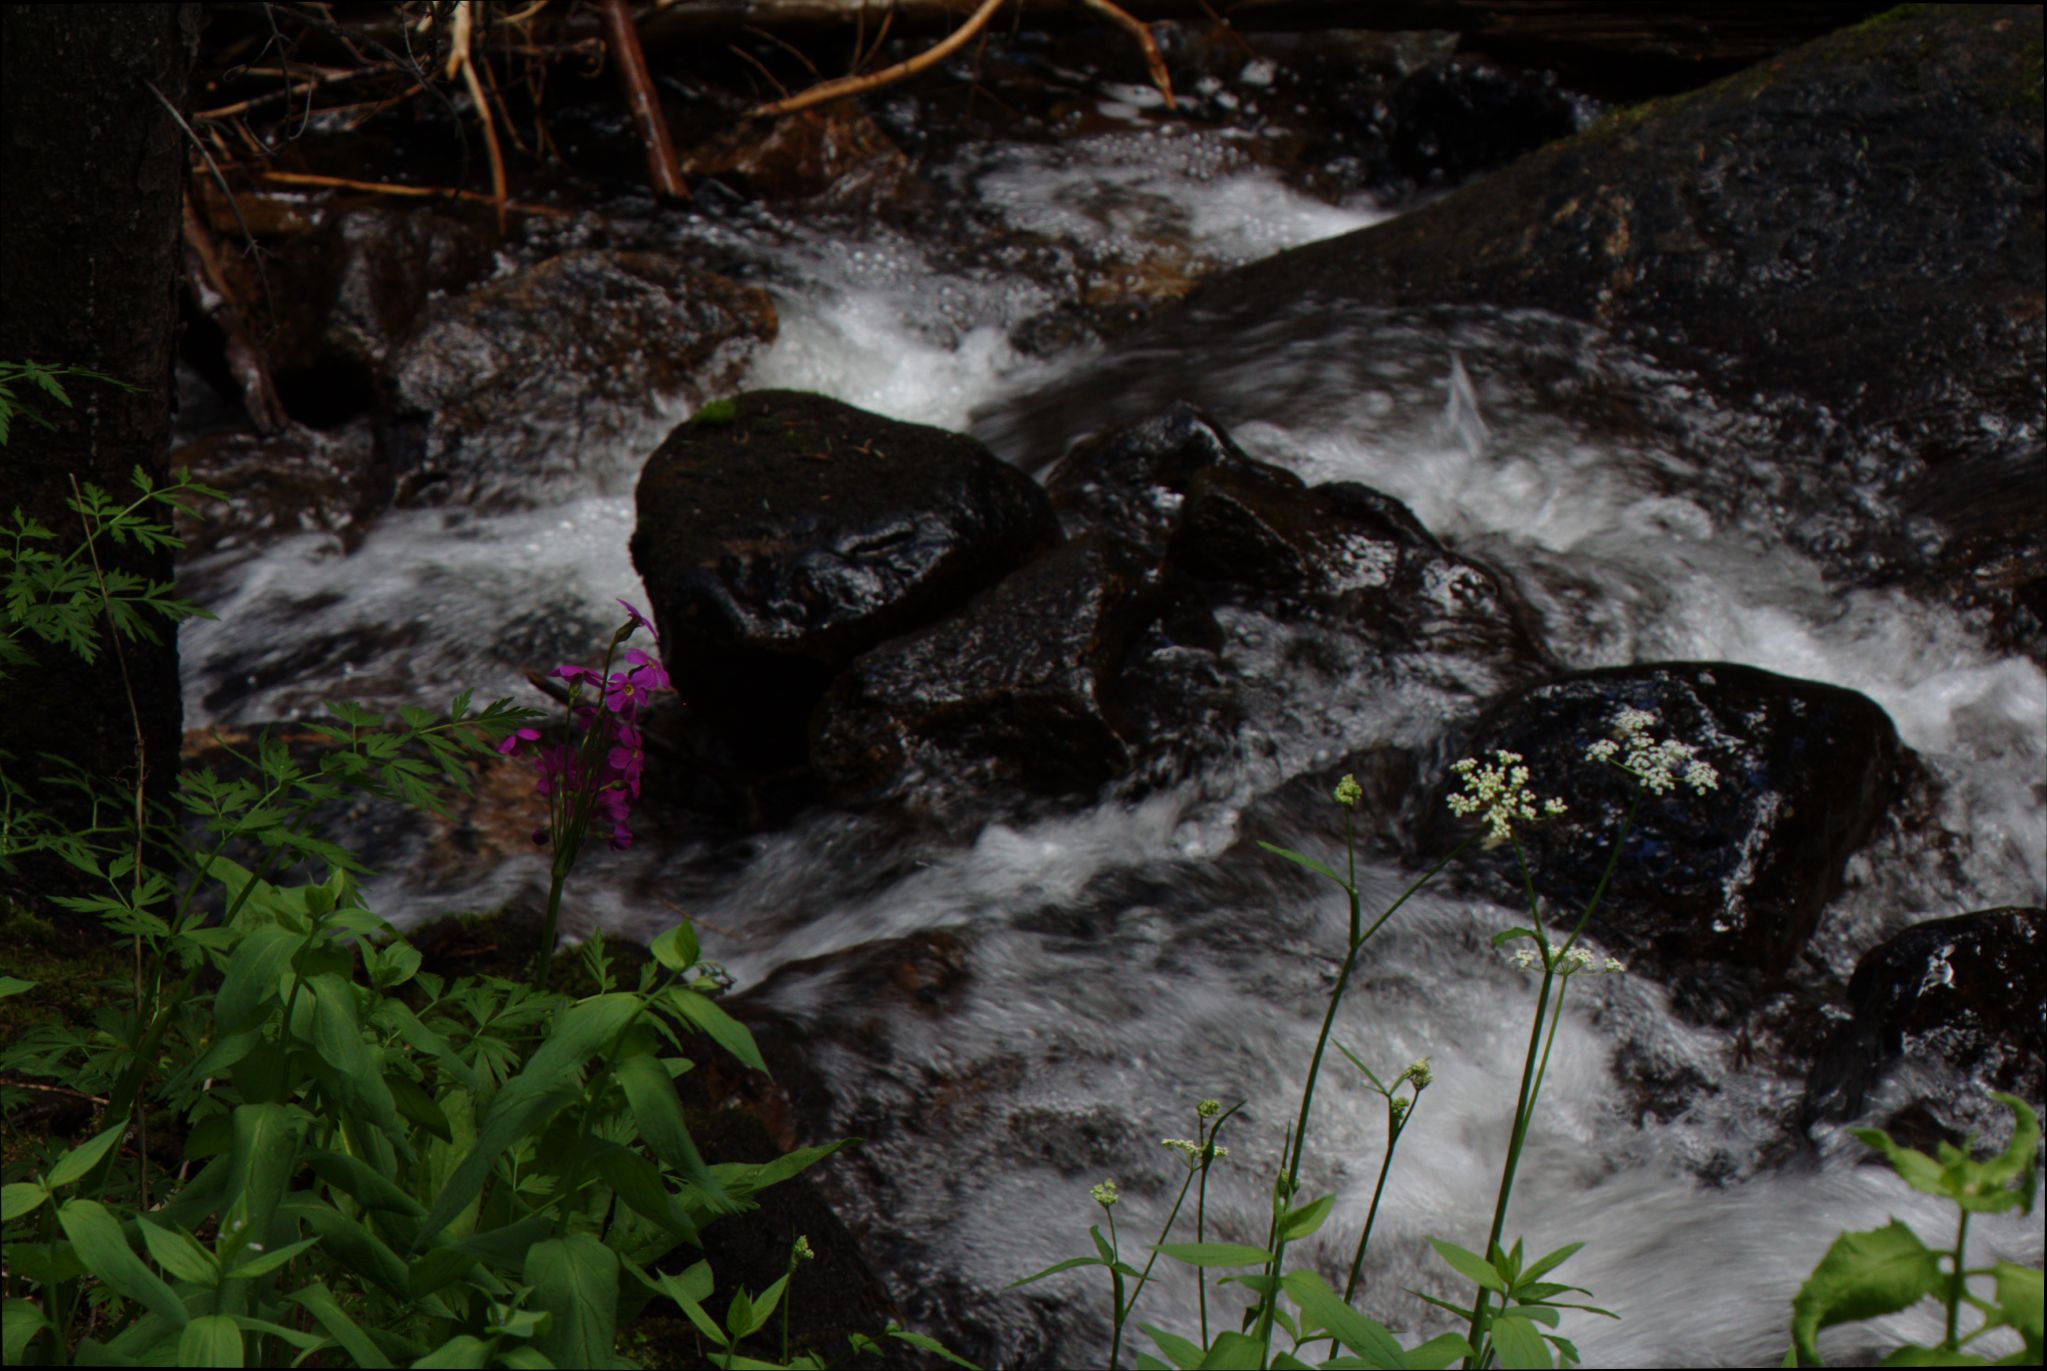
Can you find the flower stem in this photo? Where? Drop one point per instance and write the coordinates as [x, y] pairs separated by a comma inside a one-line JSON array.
[[1956, 1286], [554, 904]]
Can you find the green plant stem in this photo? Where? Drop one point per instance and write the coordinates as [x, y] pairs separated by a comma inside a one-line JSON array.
[[1394, 1128], [554, 904], [1957, 1286], [1293, 1173], [1115, 1291]]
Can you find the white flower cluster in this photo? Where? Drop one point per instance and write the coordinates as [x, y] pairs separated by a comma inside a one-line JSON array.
[[1190, 1151], [1347, 791], [1104, 1194], [1499, 794], [1658, 764], [1419, 1073], [1569, 962]]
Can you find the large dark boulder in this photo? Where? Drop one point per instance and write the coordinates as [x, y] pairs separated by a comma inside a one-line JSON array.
[[1942, 1013], [505, 392], [781, 542], [1018, 689], [1133, 479], [1842, 244], [1714, 889]]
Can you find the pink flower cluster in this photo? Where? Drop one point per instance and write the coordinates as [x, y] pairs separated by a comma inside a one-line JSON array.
[[607, 768]]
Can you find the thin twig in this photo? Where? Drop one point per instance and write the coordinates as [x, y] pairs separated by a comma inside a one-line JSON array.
[[855, 85], [213, 168], [300, 178], [1154, 64], [461, 62], [13, 1084], [663, 172]]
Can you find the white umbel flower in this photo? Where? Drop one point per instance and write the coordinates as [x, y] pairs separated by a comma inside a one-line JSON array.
[[1498, 794], [1658, 763]]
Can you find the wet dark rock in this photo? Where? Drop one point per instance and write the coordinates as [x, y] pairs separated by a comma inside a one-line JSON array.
[[1132, 480], [389, 265], [1348, 554], [293, 482], [1948, 1010], [780, 545], [1716, 889], [504, 389], [833, 154], [1017, 689]]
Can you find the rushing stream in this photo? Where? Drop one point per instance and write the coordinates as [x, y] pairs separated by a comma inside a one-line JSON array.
[[1088, 975]]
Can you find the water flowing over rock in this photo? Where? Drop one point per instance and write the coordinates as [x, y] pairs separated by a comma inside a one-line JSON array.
[[1711, 888], [506, 389], [1132, 480], [779, 545], [1845, 239], [1943, 1012]]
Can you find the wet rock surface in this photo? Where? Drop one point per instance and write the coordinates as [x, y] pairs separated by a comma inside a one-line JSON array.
[[1942, 1013], [506, 390], [1018, 689], [779, 545], [1711, 890]]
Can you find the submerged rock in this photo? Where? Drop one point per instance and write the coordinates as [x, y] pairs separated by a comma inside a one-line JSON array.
[[505, 389], [781, 543], [1716, 887], [1943, 1012]]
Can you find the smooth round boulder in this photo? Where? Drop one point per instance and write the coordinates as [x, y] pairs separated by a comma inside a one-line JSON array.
[[784, 534]]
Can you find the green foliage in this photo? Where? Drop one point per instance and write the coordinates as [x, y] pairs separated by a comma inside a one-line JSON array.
[[18, 377], [309, 1147], [1869, 1274]]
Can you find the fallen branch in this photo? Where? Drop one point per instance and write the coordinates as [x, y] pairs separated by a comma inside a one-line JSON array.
[[300, 178], [461, 63], [855, 85], [1154, 63], [663, 172]]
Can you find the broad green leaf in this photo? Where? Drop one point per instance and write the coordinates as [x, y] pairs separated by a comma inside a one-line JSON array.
[[689, 1297], [263, 1263], [575, 1280], [931, 1345], [296, 1337], [20, 1321], [1862, 1276], [1182, 1352], [638, 1183], [318, 1301], [1470, 1265], [252, 973], [1518, 1345], [1309, 862], [1302, 1220], [83, 1157], [365, 1184], [14, 985], [210, 1340], [260, 1164], [1233, 1351], [1543, 1265], [418, 1106], [19, 1199], [1508, 935], [677, 948], [2015, 1163], [1919, 1171], [459, 1353], [707, 1014], [179, 1253], [349, 1244], [1323, 1306], [651, 1092], [1438, 1352], [754, 1179], [2018, 1295], [96, 1237], [520, 1109], [1214, 1253]]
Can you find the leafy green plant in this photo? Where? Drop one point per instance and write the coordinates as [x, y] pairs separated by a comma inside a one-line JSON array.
[[1881, 1271], [355, 1159], [16, 377], [1514, 1312]]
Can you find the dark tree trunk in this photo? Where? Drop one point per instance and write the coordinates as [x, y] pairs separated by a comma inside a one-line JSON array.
[[91, 170]]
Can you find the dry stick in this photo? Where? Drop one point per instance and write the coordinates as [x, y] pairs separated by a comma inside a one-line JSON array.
[[663, 172], [245, 356], [855, 85], [141, 777], [461, 62], [220, 181], [13, 1084], [300, 178], [1154, 64]]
